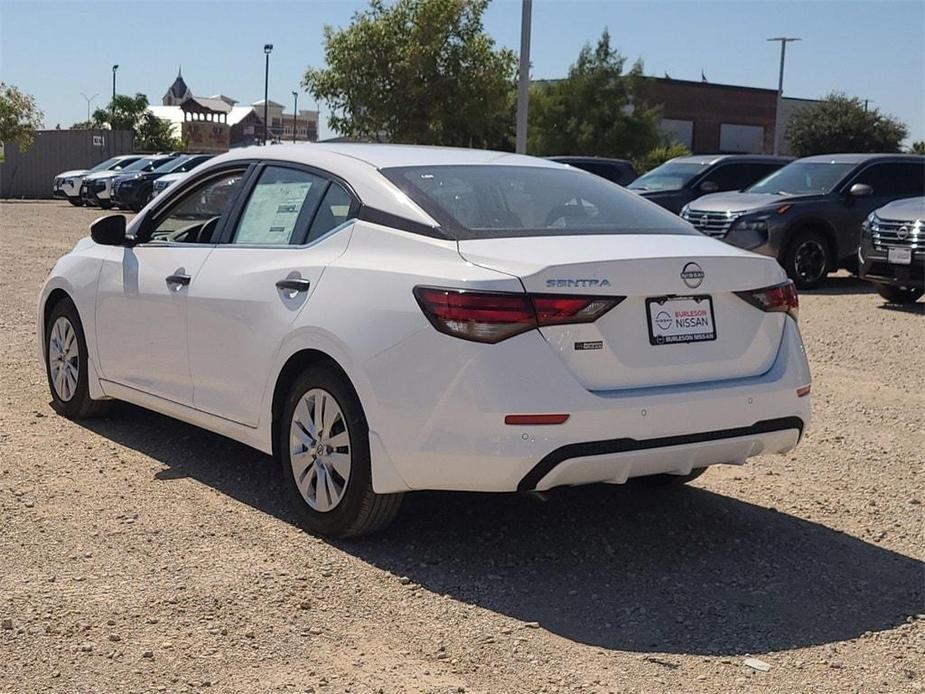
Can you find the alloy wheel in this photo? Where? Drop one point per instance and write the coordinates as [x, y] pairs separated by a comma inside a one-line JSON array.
[[809, 261], [319, 450], [63, 358]]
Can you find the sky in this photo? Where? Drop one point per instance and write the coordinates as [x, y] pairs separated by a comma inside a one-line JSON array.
[[57, 50]]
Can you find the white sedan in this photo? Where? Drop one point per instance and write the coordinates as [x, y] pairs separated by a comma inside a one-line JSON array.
[[391, 318]]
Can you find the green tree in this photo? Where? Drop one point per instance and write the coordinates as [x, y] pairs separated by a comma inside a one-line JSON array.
[[840, 123], [84, 125], [658, 156], [918, 147], [19, 116], [417, 71], [149, 132], [598, 109]]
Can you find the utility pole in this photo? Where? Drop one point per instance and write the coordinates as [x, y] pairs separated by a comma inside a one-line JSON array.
[[784, 40], [523, 77], [267, 49], [295, 113], [89, 100]]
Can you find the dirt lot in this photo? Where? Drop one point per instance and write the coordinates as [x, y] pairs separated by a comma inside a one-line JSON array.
[[141, 554]]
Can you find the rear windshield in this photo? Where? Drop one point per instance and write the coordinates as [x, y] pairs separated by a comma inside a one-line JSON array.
[[802, 178], [672, 175], [485, 201]]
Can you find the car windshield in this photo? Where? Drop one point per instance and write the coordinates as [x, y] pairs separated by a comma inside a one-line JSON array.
[[802, 178], [485, 201], [171, 164], [105, 165], [147, 164], [672, 175]]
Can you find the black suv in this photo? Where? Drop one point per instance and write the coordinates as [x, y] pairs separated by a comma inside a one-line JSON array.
[[892, 250], [808, 215], [682, 179], [136, 189], [618, 171]]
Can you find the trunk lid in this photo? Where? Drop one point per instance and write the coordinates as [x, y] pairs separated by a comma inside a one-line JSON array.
[[617, 351]]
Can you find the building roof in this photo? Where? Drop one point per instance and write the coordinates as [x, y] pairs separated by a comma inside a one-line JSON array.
[[201, 103], [227, 99], [270, 102], [179, 89]]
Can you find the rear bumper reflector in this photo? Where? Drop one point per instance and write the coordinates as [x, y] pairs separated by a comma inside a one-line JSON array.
[[525, 419], [803, 391]]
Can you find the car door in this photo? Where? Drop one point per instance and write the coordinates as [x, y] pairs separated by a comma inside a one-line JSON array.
[[257, 281], [141, 311], [889, 181]]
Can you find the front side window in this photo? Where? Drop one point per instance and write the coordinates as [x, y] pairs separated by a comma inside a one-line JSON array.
[[279, 207], [484, 201], [897, 178], [672, 175], [803, 178], [194, 217]]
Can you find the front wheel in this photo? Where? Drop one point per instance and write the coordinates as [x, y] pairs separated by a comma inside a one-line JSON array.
[[105, 205], [66, 364], [807, 259], [76, 202], [324, 449], [899, 295]]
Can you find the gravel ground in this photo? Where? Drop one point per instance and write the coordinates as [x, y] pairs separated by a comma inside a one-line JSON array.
[[140, 554]]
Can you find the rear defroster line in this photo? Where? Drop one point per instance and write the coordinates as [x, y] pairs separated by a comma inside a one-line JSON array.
[[627, 445]]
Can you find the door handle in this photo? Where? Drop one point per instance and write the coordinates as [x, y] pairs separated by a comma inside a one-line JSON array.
[[294, 285], [182, 280]]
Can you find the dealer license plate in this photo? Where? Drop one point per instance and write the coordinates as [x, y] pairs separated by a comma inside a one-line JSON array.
[[678, 319], [899, 256]]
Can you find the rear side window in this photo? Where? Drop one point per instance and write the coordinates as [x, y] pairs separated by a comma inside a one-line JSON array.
[[278, 208], [739, 176], [485, 201], [333, 211]]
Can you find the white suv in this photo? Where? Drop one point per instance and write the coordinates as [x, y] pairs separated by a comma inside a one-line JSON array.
[[67, 184]]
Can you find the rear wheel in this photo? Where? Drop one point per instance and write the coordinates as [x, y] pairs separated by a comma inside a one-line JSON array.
[[105, 204], [899, 295], [66, 364], [76, 202], [324, 448], [663, 481], [807, 259]]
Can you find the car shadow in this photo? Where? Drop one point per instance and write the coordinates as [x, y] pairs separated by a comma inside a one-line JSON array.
[[918, 308], [837, 285], [681, 571]]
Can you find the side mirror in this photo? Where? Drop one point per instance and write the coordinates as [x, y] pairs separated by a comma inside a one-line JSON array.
[[860, 190], [708, 187], [109, 230]]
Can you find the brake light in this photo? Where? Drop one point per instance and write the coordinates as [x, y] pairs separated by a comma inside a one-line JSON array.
[[778, 298], [494, 316]]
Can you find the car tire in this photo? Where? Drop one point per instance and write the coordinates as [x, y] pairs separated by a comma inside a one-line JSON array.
[[76, 202], [66, 364], [665, 480], [807, 259], [323, 445], [105, 204], [899, 295]]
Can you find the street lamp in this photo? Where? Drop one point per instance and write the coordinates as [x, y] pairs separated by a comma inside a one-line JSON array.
[[784, 40], [89, 99], [523, 77], [113, 104], [267, 49], [295, 113]]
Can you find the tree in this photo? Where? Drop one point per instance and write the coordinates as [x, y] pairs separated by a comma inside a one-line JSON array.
[[918, 147], [19, 117], [417, 71], [150, 133], [658, 156], [597, 110], [840, 123]]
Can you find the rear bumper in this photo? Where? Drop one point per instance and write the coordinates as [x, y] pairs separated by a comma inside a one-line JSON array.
[[458, 440]]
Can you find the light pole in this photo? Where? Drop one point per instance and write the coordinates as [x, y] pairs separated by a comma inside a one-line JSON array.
[[113, 103], [89, 100], [295, 113], [523, 77], [267, 49], [784, 40]]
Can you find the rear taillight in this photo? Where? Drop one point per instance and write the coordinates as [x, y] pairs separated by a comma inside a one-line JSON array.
[[780, 298], [493, 316]]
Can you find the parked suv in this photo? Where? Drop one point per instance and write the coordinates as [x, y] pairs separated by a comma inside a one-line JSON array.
[[892, 250], [618, 171], [67, 183], [134, 190], [682, 179], [808, 215], [96, 189]]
